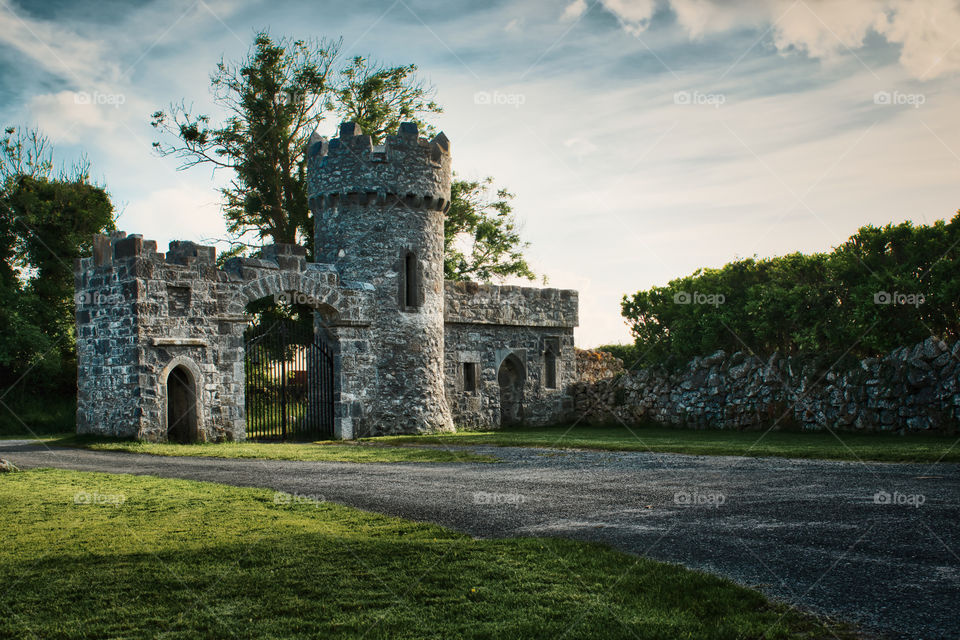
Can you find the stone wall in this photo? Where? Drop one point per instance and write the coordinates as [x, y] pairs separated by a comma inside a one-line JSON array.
[[914, 388], [487, 324], [597, 365], [473, 303]]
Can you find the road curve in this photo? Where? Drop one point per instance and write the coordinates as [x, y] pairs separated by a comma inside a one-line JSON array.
[[874, 544]]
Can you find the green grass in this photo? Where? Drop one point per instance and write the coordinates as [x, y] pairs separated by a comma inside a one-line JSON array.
[[326, 451], [152, 557], [845, 446]]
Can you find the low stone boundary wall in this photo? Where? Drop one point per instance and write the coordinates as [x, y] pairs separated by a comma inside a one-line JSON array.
[[911, 389], [593, 366]]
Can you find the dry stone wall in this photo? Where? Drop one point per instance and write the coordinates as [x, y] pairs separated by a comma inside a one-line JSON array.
[[593, 366], [912, 389]]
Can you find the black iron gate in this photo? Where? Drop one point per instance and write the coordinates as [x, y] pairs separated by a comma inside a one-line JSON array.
[[289, 383]]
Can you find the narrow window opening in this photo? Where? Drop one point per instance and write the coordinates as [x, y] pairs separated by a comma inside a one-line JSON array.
[[550, 361], [410, 283], [551, 351], [470, 377]]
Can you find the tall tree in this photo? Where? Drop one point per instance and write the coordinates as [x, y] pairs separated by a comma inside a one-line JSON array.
[[275, 99], [47, 220]]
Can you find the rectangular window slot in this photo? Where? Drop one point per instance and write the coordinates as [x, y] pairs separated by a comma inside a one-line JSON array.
[[551, 351], [470, 377]]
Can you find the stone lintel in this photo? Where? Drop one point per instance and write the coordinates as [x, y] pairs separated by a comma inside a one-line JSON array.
[[180, 342]]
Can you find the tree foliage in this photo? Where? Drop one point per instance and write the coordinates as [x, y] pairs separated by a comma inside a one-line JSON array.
[[379, 98], [275, 99], [481, 238], [47, 220], [883, 288]]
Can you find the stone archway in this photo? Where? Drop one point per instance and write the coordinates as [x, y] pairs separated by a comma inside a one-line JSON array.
[[181, 401], [510, 378], [341, 321], [289, 378]]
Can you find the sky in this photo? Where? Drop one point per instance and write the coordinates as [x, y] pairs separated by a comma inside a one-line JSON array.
[[644, 139]]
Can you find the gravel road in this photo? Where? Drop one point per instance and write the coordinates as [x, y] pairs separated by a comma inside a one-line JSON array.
[[874, 544]]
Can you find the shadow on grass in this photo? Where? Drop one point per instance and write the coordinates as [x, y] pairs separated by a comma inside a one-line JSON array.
[[186, 559], [323, 451]]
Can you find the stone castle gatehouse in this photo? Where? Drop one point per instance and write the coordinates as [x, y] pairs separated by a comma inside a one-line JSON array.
[[160, 337]]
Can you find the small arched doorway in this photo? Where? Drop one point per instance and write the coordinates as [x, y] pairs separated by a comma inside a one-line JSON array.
[[181, 406], [511, 377]]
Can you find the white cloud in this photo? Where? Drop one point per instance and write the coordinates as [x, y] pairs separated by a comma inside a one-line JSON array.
[[926, 30], [574, 10], [70, 116], [180, 212], [700, 17], [929, 32], [56, 49], [514, 26], [580, 147], [634, 15], [825, 29]]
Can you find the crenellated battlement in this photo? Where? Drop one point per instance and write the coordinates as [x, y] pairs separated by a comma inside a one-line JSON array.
[[406, 171], [118, 247]]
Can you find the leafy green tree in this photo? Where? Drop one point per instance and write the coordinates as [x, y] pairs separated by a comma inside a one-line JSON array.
[[835, 304], [275, 99], [47, 220], [379, 98], [481, 238]]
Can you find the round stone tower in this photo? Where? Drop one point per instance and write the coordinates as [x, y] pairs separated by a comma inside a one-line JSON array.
[[378, 218]]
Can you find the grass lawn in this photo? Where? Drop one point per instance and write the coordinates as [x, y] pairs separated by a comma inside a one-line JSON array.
[[42, 415], [327, 451], [880, 447], [143, 557]]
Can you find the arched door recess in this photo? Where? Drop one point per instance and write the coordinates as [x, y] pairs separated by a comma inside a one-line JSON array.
[[181, 405], [510, 378]]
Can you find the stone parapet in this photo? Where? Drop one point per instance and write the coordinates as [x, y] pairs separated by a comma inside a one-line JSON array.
[[473, 303]]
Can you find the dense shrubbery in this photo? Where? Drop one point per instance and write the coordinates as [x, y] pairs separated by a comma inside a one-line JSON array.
[[883, 288], [47, 220]]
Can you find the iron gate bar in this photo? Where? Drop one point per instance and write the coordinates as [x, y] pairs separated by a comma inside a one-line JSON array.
[[288, 382]]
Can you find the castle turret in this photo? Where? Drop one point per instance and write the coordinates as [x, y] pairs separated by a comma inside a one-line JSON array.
[[378, 218]]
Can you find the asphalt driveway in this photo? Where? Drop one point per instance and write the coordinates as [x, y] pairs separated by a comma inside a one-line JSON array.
[[875, 544]]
